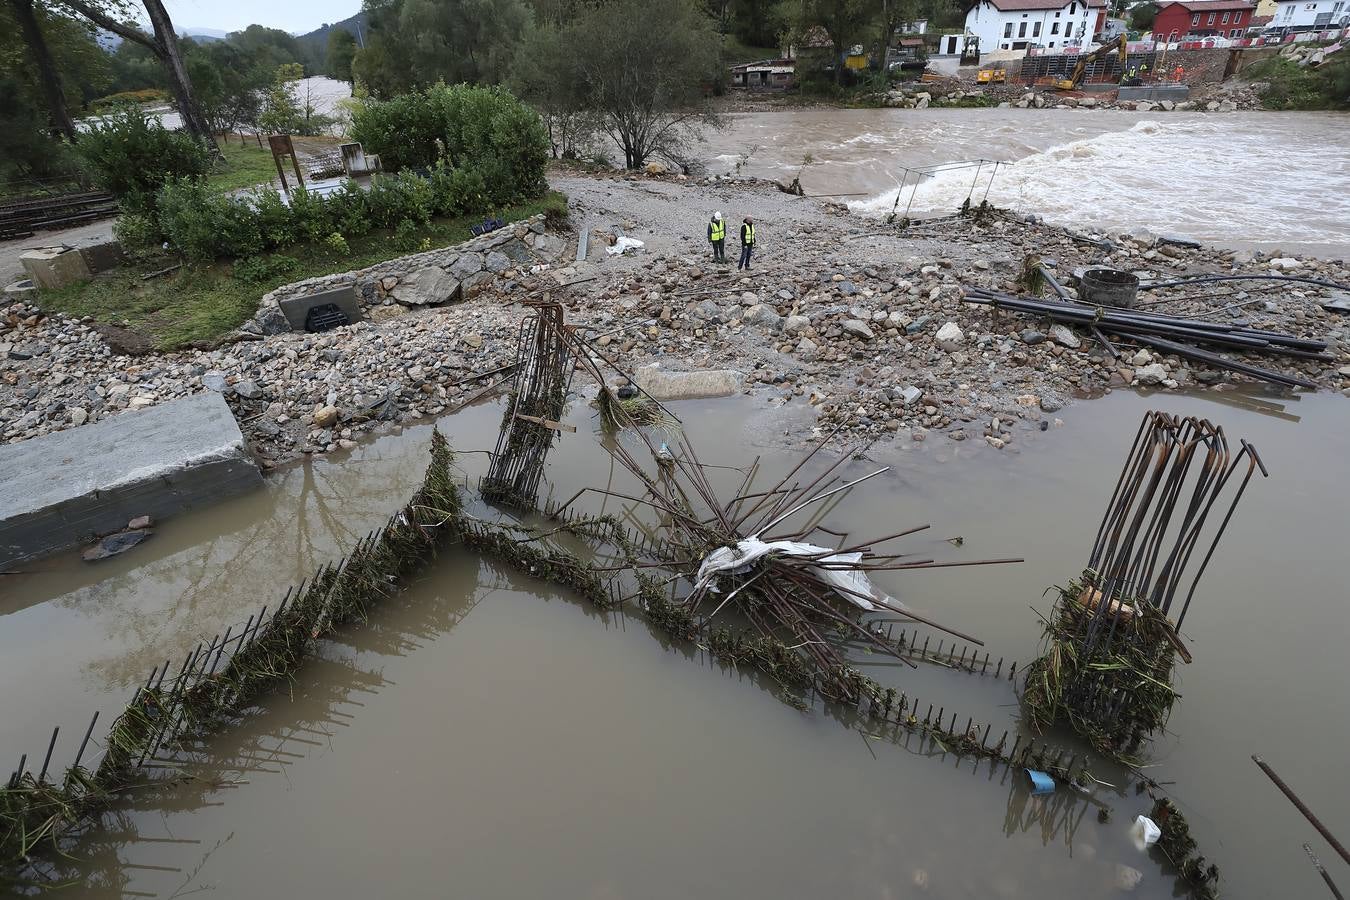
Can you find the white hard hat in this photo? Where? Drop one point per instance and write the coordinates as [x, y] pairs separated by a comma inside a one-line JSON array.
[[717, 215]]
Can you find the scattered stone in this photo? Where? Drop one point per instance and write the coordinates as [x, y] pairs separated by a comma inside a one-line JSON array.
[[115, 544], [1064, 336], [1154, 373], [326, 417], [857, 328], [248, 389], [950, 336]]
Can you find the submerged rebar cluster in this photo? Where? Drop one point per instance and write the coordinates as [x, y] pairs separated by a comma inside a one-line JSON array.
[[1112, 636]]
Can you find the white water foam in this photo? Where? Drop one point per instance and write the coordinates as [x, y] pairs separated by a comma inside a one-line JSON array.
[[1259, 187]]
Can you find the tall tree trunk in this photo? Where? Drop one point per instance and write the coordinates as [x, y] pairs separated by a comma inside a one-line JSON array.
[[46, 67], [167, 50], [164, 44]]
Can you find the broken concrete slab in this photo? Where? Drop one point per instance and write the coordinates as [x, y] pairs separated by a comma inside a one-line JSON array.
[[64, 489], [55, 267], [101, 255], [687, 385]]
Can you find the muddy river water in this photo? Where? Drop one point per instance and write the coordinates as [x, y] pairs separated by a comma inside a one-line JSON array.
[[1261, 180], [488, 736]]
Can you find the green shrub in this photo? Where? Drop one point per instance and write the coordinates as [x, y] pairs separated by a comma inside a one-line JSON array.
[[131, 156], [405, 235], [337, 245], [256, 270], [1302, 87], [348, 211], [137, 233], [483, 131], [275, 224], [456, 192], [203, 225], [310, 219], [394, 198]]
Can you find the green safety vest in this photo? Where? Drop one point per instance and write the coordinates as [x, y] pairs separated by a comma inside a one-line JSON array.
[[748, 235], [719, 229]]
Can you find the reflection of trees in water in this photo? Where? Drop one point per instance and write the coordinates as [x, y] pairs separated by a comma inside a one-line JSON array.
[[162, 609], [136, 838]]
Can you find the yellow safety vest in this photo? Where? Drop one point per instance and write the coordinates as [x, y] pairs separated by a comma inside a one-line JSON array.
[[719, 229], [748, 235]]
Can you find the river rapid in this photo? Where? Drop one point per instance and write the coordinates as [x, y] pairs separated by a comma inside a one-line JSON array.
[[1253, 180]]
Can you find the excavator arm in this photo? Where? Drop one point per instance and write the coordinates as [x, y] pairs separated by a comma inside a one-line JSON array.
[[1117, 46]]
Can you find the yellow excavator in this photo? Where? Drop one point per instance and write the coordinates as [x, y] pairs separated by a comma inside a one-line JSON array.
[[1117, 46]]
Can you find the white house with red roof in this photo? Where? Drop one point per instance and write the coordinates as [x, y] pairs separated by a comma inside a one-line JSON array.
[[1022, 24]]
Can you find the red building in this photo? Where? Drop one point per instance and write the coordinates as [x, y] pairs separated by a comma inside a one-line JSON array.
[[1203, 18]]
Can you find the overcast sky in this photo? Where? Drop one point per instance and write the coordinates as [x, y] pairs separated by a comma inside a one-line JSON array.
[[297, 16]]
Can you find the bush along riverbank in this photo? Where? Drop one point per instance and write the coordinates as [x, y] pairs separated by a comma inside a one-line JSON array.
[[1303, 77]]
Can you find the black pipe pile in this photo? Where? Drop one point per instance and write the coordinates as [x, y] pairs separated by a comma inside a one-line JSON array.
[[1167, 333]]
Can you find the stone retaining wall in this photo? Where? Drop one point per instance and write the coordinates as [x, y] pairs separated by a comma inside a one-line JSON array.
[[423, 279]]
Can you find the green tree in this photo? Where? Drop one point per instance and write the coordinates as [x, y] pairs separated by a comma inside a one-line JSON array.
[[26, 16], [754, 22], [135, 68], [230, 85], [548, 75], [646, 85], [413, 43], [281, 109], [341, 52], [267, 47], [163, 43], [1142, 16], [846, 22]]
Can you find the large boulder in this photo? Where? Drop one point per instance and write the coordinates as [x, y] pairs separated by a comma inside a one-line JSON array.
[[427, 287], [466, 265]]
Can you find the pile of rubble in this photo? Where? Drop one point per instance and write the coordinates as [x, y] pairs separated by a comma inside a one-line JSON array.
[[858, 324]]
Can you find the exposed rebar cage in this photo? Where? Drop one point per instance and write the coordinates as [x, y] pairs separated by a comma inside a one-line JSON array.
[[543, 377], [1112, 637]]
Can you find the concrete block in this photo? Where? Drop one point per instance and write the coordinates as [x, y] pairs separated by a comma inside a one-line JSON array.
[[1164, 91], [63, 489], [55, 267], [101, 255], [687, 385], [296, 308]]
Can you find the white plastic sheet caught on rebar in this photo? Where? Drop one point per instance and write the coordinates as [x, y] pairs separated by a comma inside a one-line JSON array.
[[833, 568]]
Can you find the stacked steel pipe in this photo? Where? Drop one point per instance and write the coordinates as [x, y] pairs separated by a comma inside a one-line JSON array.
[[1167, 333]]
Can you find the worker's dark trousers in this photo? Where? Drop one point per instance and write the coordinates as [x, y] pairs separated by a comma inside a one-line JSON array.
[[719, 251], [745, 256]]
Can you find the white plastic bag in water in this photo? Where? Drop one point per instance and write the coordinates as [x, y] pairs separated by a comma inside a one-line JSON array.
[[1145, 832]]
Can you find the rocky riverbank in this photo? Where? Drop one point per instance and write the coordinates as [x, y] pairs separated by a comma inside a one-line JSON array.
[[849, 321]]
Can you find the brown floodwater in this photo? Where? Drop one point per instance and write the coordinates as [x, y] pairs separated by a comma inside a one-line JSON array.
[[486, 736], [1259, 180]]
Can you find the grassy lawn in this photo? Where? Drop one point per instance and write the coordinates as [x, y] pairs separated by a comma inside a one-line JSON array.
[[242, 166], [199, 303]]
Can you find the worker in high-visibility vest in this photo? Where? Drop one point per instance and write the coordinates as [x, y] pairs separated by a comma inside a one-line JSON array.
[[747, 242], [717, 235]]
